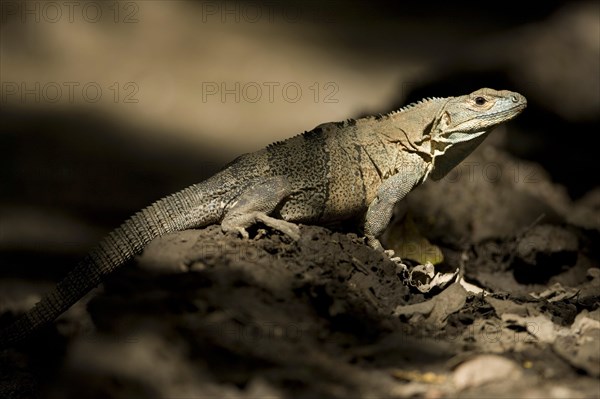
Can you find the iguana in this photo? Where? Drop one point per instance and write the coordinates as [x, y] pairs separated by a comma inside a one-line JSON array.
[[337, 171]]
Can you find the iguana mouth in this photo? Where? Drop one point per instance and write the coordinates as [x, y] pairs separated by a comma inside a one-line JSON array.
[[516, 110], [499, 117]]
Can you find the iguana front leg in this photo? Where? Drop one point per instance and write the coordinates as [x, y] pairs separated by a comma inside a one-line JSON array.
[[381, 209], [256, 203]]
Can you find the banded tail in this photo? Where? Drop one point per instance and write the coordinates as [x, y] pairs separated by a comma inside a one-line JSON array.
[[185, 209]]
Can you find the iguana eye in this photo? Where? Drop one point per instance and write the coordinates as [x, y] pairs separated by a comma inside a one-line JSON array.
[[480, 100]]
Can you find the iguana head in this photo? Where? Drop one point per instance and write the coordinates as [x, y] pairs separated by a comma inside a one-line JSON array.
[[465, 117], [462, 123]]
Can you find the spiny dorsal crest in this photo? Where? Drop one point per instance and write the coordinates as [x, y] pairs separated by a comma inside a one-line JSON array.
[[352, 122], [316, 131], [416, 103]]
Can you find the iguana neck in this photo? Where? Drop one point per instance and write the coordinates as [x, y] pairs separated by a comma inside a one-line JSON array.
[[417, 129], [408, 131]]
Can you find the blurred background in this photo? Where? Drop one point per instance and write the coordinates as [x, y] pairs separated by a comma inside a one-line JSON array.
[[108, 106]]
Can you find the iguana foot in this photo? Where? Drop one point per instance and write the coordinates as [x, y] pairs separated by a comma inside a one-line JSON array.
[[289, 229], [397, 260], [374, 243], [256, 203], [240, 223]]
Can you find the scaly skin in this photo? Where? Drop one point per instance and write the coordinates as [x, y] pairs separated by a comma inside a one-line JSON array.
[[337, 171]]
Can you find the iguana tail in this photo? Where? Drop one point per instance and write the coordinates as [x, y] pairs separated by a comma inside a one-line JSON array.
[[194, 206]]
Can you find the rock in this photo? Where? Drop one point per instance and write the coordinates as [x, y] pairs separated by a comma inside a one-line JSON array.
[[547, 243], [543, 252], [581, 346], [485, 369]]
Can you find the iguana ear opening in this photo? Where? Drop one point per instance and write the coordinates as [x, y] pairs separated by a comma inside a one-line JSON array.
[[445, 121]]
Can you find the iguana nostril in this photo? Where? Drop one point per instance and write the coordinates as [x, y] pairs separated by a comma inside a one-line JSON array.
[[515, 99]]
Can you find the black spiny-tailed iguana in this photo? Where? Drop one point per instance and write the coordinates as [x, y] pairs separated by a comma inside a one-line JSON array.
[[334, 172]]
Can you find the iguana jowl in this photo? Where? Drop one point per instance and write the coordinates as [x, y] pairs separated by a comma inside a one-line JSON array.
[[336, 171]]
